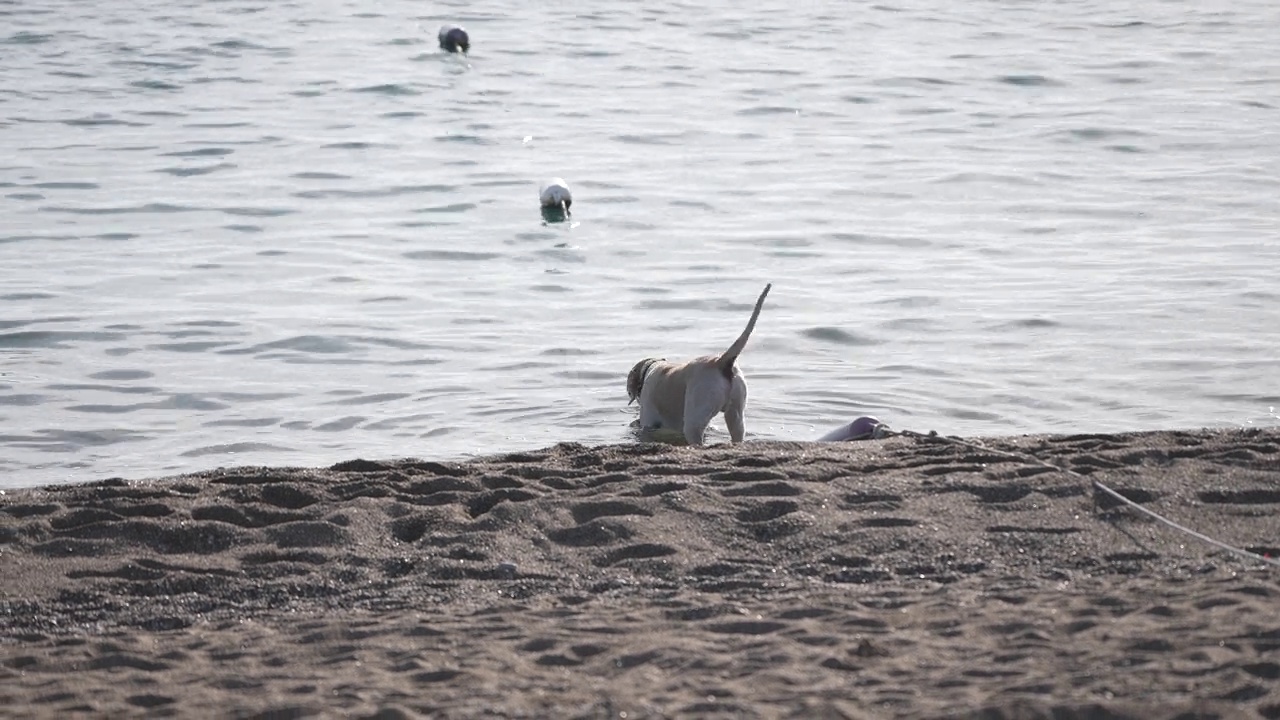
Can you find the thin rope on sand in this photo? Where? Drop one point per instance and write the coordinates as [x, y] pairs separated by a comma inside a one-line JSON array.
[[1097, 484]]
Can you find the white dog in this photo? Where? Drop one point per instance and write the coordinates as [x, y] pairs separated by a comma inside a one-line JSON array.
[[687, 396]]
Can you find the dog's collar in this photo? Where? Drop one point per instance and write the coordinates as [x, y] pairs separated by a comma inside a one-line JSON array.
[[648, 365]]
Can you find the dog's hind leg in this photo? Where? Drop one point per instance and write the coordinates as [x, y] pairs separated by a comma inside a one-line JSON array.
[[704, 398], [736, 409], [733, 418]]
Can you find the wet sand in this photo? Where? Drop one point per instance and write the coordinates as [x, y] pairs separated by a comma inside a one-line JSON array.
[[890, 578]]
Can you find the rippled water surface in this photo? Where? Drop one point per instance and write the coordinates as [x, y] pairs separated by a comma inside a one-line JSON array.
[[295, 233]]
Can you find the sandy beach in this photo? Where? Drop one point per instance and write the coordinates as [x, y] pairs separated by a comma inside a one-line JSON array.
[[902, 577]]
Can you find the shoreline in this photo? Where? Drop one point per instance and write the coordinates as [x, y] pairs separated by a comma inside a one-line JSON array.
[[899, 577]]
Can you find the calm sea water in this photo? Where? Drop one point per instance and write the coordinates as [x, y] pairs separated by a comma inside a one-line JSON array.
[[244, 232]]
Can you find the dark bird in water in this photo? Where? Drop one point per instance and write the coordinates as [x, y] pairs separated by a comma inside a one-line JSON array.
[[454, 39]]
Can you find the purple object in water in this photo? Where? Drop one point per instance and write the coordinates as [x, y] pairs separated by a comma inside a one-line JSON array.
[[864, 428]]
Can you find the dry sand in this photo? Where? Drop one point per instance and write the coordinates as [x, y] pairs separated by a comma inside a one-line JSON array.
[[889, 578]]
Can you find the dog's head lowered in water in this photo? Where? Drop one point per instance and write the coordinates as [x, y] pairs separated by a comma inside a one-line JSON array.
[[635, 379]]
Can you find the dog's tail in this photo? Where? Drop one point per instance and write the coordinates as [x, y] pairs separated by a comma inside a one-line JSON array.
[[730, 356]]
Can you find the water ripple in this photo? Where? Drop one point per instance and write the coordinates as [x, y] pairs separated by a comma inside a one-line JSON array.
[[148, 208], [838, 336], [234, 448], [1029, 80], [388, 89], [53, 339]]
